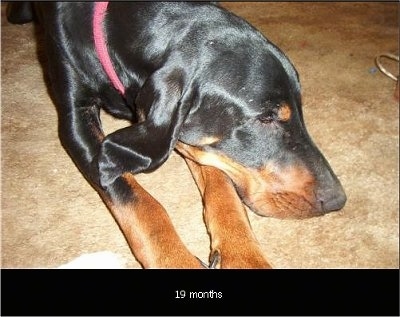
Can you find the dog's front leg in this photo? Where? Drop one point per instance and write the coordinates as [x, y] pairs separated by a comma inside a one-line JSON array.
[[226, 220], [143, 221], [147, 227]]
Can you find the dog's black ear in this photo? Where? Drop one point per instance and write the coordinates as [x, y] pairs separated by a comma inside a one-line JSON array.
[[146, 145]]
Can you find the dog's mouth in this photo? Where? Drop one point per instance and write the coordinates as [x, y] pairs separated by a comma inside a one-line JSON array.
[[273, 191], [289, 193], [283, 205]]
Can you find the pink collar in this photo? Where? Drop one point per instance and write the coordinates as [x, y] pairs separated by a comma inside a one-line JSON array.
[[100, 44]]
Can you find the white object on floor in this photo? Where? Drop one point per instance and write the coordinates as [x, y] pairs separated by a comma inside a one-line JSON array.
[[97, 260]]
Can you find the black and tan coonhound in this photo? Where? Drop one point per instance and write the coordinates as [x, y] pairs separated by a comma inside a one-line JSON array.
[[195, 78]]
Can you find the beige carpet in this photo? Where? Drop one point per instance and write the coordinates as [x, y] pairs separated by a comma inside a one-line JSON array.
[[50, 215]]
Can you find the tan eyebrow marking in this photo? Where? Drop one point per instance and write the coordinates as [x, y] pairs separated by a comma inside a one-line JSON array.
[[284, 112]]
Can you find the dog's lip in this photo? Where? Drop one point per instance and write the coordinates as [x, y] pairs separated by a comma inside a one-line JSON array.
[[265, 209], [289, 216]]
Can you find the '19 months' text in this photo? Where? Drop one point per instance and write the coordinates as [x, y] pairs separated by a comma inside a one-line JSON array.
[[179, 294]]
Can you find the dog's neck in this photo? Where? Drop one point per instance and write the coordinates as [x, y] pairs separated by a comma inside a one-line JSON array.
[[100, 44]]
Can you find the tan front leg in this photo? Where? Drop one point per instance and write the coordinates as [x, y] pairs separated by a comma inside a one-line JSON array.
[[148, 229], [226, 220]]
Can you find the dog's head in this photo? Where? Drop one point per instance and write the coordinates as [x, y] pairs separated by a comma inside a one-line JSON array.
[[230, 100], [247, 121]]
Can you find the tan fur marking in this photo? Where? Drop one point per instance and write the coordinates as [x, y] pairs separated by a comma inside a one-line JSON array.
[[209, 140], [284, 112]]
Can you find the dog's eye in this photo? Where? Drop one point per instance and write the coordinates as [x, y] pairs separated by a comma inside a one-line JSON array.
[[282, 113], [267, 118]]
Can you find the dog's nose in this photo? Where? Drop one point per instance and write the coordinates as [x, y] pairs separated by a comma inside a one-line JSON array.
[[331, 200]]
